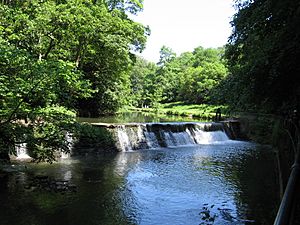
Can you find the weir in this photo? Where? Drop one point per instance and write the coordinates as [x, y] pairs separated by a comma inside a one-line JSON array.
[[135, 136], [22, 151]]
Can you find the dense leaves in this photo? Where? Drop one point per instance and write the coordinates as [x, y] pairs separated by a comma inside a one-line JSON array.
[[57, 57], [35, 96], [144, 89], [263, 55], [190, 77]]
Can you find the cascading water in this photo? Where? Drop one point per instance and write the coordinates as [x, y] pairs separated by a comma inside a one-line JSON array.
[[70, 142], [130, 137], [124, 138], [155, 135], [21, 150], [203, 137]]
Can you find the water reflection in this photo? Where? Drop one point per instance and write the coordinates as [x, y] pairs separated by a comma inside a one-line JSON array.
[[137, 117], [125, 161], [227, 182], [207, 184]]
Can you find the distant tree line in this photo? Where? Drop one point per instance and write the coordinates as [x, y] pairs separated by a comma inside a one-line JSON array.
[[190, 77], [257, 71]]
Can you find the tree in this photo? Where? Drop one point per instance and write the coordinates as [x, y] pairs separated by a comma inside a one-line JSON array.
[[166, 56], [190, 77], [145, 91], [97, 37], [55, 55], [200, 82], [35, 103], [263, 54]]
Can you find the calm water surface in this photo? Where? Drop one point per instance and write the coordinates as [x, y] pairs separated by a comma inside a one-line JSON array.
[[138, 117], [226, 183]]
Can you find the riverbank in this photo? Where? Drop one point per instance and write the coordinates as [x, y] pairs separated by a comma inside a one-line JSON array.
[[203, 111], [255, 126]]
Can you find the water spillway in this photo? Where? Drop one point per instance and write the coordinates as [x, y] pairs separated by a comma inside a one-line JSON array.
[[138, 136], [21, 150], [135, 136]]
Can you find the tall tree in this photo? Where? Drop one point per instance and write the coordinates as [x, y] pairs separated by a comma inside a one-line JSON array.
[[263, 54], [97, 37], [55, 54], [144, 89], [36, 102]]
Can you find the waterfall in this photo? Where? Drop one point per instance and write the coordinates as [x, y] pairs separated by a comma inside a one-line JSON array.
[[155, 135], [124, 138], [70, 142], [21, 150], [22, 153]]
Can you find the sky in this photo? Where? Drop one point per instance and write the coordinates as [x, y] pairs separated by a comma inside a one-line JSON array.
[[184, 25]]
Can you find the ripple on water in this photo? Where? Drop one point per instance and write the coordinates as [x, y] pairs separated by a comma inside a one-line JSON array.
[[206, 184]]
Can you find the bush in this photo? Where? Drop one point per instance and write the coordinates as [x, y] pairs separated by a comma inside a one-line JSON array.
[[97, 138]]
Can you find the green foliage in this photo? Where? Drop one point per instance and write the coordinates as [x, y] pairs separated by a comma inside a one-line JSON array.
[[166, 56], [200, 82], [190, 77], [95, 137], [59, 56], [202, 111], [97, 37], [35, 95], [207, 72], [48, 134], [144, 84], [263, 55]]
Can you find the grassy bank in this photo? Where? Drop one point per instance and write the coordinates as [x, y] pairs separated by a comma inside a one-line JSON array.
[[181, 109]]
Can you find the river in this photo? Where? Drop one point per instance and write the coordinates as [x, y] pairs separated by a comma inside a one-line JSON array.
[[227, 182]]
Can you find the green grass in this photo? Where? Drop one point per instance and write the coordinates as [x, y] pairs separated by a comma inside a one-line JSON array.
[[181, 109]]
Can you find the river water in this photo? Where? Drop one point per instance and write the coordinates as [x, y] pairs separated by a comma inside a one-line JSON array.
[[138, 117], [229, 182]]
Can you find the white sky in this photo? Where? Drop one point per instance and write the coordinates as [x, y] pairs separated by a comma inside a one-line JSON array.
[[184, 25]]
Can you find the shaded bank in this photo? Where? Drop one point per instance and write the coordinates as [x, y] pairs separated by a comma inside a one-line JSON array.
[[282, 133]]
